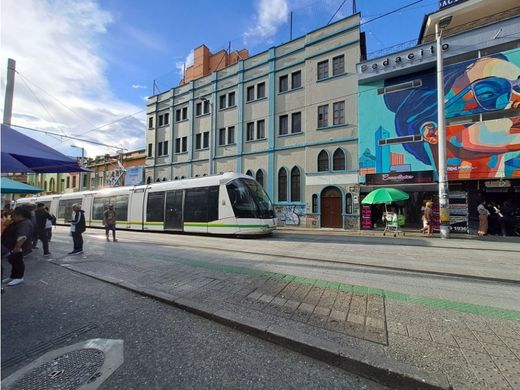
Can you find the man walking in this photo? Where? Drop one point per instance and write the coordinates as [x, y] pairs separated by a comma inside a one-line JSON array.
[[41, 218], [18, 240], [109, 220], [77, 227]]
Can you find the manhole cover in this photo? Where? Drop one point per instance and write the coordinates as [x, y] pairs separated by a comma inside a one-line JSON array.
[[68, 371]]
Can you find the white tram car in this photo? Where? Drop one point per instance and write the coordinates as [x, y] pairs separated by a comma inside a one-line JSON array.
[[230, 203]]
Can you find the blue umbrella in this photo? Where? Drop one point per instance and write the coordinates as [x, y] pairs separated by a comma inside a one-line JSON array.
[[9, 186], [24, 154]]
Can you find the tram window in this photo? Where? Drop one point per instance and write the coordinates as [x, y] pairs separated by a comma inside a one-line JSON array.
[[213, 203], [196, 205], [155, 207], [249, 200], [121, 207], [99, 207], [65, 208]]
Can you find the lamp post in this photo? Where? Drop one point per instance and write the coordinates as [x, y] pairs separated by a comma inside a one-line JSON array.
[[210, 149], [444, 201], [82, 160]]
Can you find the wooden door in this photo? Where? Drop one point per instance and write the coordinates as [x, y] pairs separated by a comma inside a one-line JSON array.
[[331, 208]]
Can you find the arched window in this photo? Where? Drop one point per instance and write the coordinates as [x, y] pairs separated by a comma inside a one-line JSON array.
[[348, 203], [176, 178], [158, 179], [323, 161], [164, 179], [295, 185], [315, 203], [282, 185], [149, 180], [45, 185], [249, 173], [338, 160], [260, 177], [196, 175], [183, 177], [52, 185]]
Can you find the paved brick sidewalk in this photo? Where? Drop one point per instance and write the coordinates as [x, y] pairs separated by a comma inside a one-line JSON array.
[[386, 336]]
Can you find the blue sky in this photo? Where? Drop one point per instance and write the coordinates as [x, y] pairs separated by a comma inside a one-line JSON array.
[[85, 64]]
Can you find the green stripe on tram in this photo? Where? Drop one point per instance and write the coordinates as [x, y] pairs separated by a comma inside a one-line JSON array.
[[189, 224]]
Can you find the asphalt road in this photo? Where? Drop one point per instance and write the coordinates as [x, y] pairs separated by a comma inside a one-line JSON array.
[[164, 347]]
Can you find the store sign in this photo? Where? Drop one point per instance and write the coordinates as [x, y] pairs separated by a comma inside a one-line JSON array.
[[417, 177], [134, 176], [498, 184], [400, 59], [449, 3]]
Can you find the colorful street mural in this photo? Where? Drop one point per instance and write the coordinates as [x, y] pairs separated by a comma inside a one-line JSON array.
[[475, 149]]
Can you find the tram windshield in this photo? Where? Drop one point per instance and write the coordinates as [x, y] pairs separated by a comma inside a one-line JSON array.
[[249, 199]]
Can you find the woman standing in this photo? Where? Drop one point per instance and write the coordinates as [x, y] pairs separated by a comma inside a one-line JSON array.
[[77, 227], [428, 218], [483, 215]]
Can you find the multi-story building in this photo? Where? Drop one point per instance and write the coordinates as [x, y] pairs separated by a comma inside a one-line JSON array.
[[286, 116], [398, 112]]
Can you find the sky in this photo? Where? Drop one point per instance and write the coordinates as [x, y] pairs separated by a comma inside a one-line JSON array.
[[85, 68]]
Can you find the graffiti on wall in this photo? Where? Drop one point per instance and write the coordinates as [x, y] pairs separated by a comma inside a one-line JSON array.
[[407, 118], [289, 215]]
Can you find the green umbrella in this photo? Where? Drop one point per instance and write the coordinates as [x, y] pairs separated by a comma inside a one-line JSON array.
[[385, 195], [9, 186]]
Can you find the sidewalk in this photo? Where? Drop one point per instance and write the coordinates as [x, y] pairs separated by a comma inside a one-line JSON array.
[[389, 337]]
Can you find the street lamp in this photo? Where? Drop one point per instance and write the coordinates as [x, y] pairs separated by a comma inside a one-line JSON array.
[[82, 161], [444, 201], [210, 149]]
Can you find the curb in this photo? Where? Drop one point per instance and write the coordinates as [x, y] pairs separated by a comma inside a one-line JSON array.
[[356, 362]]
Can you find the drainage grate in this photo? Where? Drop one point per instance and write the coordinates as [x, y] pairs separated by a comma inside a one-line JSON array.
[[65, 372]]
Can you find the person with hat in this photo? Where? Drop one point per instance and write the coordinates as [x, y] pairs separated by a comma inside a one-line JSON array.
[[109, 220], [41, 217]]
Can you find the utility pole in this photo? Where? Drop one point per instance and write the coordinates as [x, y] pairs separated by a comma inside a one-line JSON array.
[[9, 91]]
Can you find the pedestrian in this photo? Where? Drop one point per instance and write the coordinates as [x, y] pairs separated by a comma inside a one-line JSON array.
[[423, 219], [483, 215], [77, 227], [109, 220], [428, 217], [49, 223], [41, 218], [17, 239]]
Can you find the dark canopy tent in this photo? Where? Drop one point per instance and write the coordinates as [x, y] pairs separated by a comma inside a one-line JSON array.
[[21, 153]]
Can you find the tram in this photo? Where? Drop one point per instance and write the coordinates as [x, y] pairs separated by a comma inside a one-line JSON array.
[[229, 204]]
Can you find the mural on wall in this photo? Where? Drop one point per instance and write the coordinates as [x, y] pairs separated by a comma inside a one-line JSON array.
[[481, 149], [289, 215]]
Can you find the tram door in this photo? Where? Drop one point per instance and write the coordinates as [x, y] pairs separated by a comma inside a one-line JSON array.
[[173, 210]]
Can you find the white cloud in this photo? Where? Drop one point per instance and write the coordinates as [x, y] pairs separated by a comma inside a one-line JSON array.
[[138, 86], [270, 15], [190, 58], [61, 84]]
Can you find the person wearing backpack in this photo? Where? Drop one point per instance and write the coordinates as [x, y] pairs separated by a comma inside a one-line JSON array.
[[109, 220]]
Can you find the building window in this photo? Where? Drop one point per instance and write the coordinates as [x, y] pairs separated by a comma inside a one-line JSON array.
[[198, 109], [338, 65], [260, 177], [348, 203], [323, 70], [205, 140], [150, 122], [165, 148], [222, 102], [68, 181], [260, 91], [314, 203], [323, 161], [160, 120], [184, 144], [338, 160], [198, 141], [159, 149], [250, 94], [73, 181], [184, 113], [295, 185], [177, 145], [250, 131], [52, 184], [260, 129], [231, 99], [323, 116], [296, 122], [222, 137], [206, 106], [282, 185], [231, 135], [283, 83], [339, 113], [296, 80], [283, 124], [150, 146], [249, 173], [178, 115]]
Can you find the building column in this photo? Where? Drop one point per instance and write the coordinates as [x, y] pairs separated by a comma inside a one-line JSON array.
[[271, 124]]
